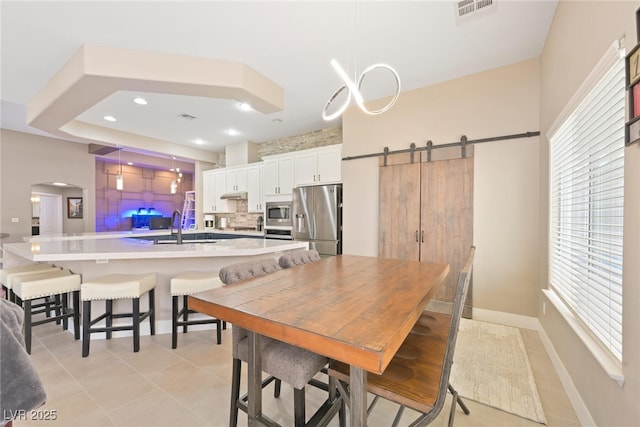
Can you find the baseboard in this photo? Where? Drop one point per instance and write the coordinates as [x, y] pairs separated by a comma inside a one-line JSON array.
[[533, 323], [507, 319]]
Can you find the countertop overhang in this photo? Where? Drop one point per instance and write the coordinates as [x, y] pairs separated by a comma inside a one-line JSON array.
[[101, 249]]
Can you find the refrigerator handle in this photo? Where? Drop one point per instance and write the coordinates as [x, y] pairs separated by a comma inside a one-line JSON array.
[[299, 226]]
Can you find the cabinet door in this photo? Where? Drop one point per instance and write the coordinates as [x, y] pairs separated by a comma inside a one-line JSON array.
[[241, 180], [231, 180], [285, 176], [270, 177], [399, 210], [304, 169], [221, 188], [254, 189], [329, 166], [208, 191]]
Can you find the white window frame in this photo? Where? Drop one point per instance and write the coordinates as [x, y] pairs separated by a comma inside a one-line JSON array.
[[566, 282]]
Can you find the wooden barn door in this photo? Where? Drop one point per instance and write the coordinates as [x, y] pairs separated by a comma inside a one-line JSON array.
[[447, 219], [399, 209], [426, 211]]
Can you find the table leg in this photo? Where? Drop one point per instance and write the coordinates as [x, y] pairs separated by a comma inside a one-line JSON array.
[[255, 379], [358, 396]]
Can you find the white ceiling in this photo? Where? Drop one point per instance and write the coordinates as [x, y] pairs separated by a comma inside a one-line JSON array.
[[290, 43]]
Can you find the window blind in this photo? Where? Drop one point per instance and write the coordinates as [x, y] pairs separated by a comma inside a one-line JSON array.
[[587, 201]]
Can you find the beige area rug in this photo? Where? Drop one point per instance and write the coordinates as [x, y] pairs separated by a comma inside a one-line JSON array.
[[491, 367]]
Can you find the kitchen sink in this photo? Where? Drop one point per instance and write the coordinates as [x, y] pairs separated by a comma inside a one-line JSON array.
[[184, 242]]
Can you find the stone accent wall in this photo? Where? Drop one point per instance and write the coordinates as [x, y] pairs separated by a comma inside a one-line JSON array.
[[143, 188], [318, 138]]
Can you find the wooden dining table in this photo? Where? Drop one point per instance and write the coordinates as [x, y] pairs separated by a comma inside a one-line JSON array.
[[354, 309]]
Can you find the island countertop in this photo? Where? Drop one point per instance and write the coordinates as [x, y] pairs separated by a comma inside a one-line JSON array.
[[142, 233], [129, 248]]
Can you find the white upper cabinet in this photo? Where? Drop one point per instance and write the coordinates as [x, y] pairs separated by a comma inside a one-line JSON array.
[[236, 179], [255, 202], [278, 175], [318, 165], [214, 184]]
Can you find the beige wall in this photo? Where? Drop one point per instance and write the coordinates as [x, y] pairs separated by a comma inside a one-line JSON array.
[[499, 102], [580, 34], [29, 160]]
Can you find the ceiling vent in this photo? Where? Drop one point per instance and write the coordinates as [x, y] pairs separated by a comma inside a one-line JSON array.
[[186, 116], [466, 9]]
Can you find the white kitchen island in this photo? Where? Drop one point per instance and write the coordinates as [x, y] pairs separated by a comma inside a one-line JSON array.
[[93, 258]]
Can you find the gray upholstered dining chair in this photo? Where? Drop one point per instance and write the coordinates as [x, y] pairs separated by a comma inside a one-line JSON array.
[[295, 258], [283, 362], [418, 375]]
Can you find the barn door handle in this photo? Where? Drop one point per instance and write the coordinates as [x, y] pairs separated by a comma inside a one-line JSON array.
[[422, 236], [416, 236]]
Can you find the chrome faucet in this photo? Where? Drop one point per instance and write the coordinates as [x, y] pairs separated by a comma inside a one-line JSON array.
[[176, 214]]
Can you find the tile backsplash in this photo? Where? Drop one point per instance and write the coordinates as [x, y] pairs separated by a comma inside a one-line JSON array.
[[240, 218]]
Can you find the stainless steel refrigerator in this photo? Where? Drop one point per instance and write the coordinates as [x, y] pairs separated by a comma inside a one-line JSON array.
[[317, 217]]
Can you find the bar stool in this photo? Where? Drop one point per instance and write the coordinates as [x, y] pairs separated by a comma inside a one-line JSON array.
[[8, 274], [183, 285], [112, 287], [46, 284]]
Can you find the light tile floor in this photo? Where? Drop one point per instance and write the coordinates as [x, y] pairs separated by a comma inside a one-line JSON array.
[[190, 386]]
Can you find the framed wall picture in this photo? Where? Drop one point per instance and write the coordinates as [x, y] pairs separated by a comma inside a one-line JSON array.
[[74, 207], [632, 131], [633, 66]]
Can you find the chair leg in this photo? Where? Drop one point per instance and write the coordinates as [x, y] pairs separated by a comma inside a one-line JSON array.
[[65, 310], [86, 320], [185, 305], [109, 318], [76, 314], [136, 325], [174, 322], [235, 392], [152, 309], [219, 331], [276, 388], [27, 325], [459, 400], [299, 413]]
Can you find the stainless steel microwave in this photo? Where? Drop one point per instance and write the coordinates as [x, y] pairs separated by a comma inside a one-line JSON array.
[[278, 214]]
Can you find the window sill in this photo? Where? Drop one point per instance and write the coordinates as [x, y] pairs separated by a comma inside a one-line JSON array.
[[610, 366]]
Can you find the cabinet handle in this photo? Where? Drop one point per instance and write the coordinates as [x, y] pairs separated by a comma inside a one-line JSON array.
[[318, 177], [416, 236]]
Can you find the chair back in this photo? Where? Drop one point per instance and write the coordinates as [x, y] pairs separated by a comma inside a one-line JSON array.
[[248, 270], [458, 305], [244, 271], [293, 259]]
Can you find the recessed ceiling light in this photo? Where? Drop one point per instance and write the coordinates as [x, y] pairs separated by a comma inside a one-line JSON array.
[[60, 184], [198, 141], [232, 132], [109, 118], [130, 163], [140, 100], [244, 106]]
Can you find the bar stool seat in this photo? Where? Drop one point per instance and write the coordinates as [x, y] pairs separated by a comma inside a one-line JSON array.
[[7, 275], [183, 285], [113, 287], [28, 287]]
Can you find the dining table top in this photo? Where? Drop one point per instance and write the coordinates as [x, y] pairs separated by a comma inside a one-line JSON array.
[[354, 309]]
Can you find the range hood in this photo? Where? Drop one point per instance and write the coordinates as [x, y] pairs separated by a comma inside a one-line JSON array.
[[239, 195]]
